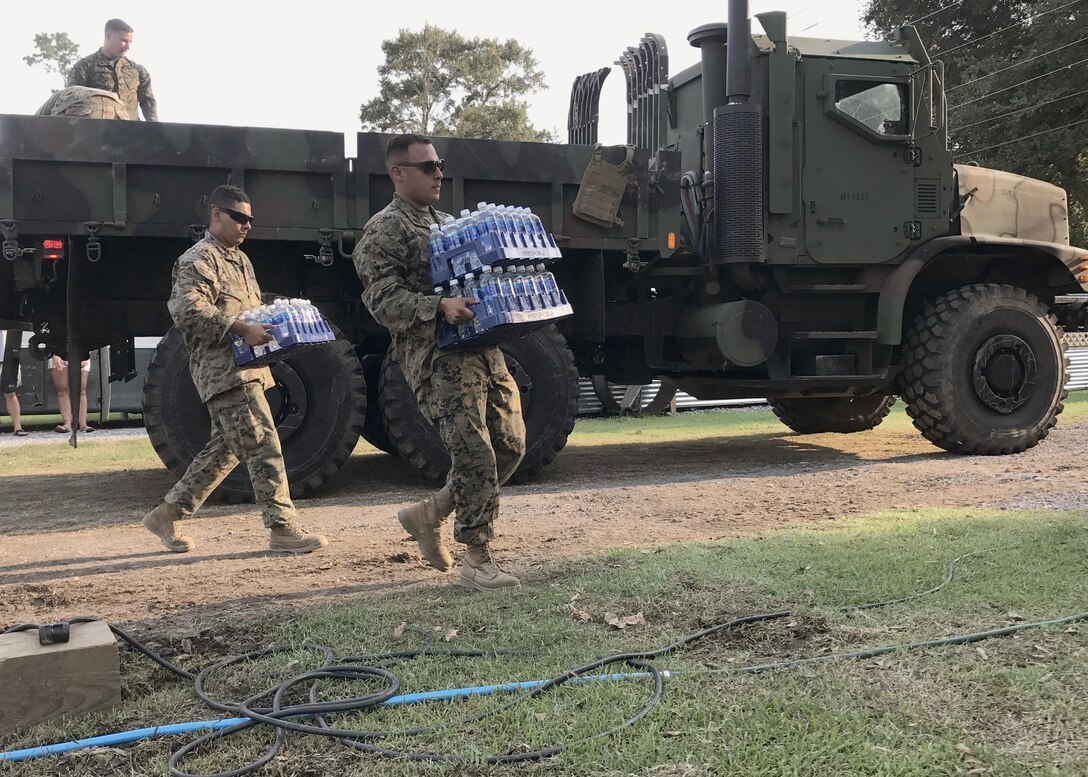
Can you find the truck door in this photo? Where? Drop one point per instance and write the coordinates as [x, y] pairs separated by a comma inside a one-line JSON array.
[[857, 186]]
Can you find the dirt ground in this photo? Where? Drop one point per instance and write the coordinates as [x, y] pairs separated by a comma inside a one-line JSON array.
[[73, 545]]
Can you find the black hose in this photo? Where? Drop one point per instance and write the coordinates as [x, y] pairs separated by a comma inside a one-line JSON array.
[[353, 668]]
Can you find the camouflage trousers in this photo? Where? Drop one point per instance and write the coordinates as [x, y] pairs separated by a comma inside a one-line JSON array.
[[476, 406], [242, 430]]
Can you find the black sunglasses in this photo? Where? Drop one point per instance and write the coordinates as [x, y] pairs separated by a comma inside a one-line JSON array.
[[428, 167], [238, 216]]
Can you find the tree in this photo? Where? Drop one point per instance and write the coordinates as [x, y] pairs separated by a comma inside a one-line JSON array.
[[1015, 75], [56, 53], [436, 81]]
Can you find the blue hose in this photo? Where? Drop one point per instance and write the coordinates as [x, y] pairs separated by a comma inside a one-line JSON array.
[[125, 737]]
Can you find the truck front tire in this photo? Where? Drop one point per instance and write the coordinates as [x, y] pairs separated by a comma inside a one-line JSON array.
[[984, 370], [319, 403], [542, 366]]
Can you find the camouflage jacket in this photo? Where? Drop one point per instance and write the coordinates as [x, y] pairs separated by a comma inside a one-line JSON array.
[[122, 76], [85, 101], [393, 262], [212, 285]]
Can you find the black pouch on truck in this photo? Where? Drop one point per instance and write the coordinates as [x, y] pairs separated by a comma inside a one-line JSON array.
[[602, 188]]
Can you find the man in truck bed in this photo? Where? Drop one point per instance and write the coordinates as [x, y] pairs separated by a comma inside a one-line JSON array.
[[109, 69]]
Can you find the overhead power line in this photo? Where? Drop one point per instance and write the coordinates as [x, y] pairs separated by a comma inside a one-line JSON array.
[[1014, 86], [827, 19], [1014, 65], [1005, 29], [928, 15], [1017, 140], [1020, 110]]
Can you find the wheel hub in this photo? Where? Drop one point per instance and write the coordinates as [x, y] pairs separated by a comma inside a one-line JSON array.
[[1005, 371], [287, 400]]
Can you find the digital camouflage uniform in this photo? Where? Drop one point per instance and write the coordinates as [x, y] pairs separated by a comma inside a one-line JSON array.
[[469, 395], [128, 80], [212, 285], [85, 102]]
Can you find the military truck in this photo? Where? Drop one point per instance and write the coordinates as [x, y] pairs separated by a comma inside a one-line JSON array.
[[788, 223]]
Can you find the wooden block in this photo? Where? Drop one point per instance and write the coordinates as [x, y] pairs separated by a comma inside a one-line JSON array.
[[38, 682]]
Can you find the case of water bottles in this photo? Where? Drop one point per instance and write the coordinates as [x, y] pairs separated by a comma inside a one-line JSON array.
[[496, 254], [296, 326]]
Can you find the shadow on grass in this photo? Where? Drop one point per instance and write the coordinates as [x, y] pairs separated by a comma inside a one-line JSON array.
[[70, 502]]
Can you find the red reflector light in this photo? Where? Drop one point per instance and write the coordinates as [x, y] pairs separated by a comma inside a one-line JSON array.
[[54, 257], [53, 245]]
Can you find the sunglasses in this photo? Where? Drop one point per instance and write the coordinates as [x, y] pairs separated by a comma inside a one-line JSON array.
[[428, 167], [238, 216]]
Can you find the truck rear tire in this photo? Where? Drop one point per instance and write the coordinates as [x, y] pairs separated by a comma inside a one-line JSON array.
[[543, 367], [984, 370], [319, 403], [374, 431], [842, 415]]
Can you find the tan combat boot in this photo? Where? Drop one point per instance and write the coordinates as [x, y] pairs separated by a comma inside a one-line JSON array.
[[292, 539], [423, 521], [165, 523], [479, 572]]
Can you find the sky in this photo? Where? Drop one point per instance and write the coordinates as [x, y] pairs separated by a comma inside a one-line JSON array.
[[255, 64]]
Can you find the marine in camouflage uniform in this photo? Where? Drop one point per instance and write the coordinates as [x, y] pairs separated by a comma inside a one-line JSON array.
[[213, 283], [468, 394], [109, 69], [84, 102]]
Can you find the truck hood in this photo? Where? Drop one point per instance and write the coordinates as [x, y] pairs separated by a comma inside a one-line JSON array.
[[1006, 205]]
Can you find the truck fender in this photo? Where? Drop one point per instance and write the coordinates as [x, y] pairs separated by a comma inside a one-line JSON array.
[[894, 294], [893, 297]]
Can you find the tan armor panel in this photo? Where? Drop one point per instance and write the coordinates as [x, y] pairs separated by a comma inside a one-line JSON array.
[[1009, 205]]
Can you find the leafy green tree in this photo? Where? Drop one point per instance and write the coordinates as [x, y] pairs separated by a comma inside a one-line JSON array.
[[436, 81], [56, 52], [1016, 73]]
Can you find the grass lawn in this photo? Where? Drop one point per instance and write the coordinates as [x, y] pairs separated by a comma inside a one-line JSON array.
[[1009, 706], [119, 455]]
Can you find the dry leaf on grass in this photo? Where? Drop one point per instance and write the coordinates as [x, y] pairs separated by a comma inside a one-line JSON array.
[[580, 615], [450, 635], [617, 622], [398, 632]]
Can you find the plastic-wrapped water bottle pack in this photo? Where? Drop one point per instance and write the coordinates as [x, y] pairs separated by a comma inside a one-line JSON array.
[[296, 325], [496, 254]]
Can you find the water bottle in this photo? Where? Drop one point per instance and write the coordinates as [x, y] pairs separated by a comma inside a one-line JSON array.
[[468, 226], [506, 291], [472, 290], [543, 239], [524, 231], [521, 291], [485, 228], [450, 234], [540, 292], [535, 288], [436, 241], [549, 287], [506, 232], [467, 329], [489, 300]]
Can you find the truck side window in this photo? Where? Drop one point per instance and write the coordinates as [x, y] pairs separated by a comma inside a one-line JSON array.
[[882, 107]]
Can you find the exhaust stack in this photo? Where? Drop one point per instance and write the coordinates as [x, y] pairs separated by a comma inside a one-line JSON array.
[[738, 153]]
